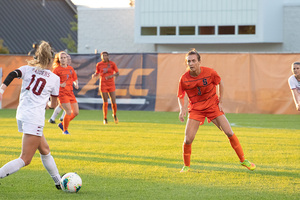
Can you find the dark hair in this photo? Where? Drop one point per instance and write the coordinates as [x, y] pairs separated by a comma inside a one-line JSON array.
[[43, 56], [194, 52], [104, 52]]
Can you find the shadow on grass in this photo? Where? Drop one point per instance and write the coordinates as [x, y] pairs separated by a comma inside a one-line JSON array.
[[34, 184]]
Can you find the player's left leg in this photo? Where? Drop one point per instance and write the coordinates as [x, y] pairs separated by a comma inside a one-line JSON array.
[[222, 122], [55, 113], [48, 161], [112, 96], [65, 123]]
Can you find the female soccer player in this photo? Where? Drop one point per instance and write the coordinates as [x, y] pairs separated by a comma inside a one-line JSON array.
[[294, 83], [38, 84], [66, 97], [58, 107], [107, 70], [200, 84]]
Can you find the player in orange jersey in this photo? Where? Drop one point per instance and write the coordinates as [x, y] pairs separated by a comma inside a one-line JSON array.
[[201, 85], [107, 70], [66, 97]]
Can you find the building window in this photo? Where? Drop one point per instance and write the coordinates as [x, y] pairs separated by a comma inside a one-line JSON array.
[[149, 31], [206, 30], [167, 30], [187, 30], [226, 30], [247, 29]]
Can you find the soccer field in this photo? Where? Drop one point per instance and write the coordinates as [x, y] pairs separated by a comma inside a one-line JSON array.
[[140, 158]]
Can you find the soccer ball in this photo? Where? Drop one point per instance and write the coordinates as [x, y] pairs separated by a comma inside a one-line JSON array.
[[71, 182]]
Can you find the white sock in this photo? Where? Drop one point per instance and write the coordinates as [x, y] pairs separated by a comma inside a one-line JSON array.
[[56, 112], [62, 116], [50, 165], [11, 167]]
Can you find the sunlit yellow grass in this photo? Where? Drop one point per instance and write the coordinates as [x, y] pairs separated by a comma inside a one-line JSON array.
[[141, 160]]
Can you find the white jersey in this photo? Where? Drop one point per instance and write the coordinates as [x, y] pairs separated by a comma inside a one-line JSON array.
[[294, 83], [37, 86]]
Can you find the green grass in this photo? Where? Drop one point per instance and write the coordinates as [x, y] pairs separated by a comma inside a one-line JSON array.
[[140, 158]]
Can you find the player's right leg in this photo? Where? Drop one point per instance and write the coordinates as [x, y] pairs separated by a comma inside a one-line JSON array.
[[30, 144], [105, 106], [191, 129]]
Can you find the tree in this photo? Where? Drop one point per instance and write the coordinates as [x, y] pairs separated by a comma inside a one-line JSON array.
[[71, 44], [3, 49]]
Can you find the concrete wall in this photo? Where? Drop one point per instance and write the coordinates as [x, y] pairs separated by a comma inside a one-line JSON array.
[[107, 29], [112, 30]]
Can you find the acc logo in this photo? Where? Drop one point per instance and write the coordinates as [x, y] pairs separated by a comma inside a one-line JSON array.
[[132, 90]]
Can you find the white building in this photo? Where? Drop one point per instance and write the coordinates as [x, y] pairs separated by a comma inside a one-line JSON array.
[[164, 26]]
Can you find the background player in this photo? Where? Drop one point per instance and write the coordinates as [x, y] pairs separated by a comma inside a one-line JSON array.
[[200, 85], [66, 96], [58, 107], [294, 83], [107, 70], [37, 86]]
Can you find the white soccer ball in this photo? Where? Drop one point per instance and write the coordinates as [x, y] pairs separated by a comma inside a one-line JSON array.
[[71, 182]]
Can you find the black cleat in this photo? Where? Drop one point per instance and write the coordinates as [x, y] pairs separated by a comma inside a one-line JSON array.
[[58, 187], [105, 121], [51, 121]]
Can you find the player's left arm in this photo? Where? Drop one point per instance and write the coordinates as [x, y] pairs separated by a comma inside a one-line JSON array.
[[75, 79], [116, 74], [76, 84], [220, 92], [296, 97]]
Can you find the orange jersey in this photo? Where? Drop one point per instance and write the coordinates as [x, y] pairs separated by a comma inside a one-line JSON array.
[[201, 90], [106, 69], [67, 75]]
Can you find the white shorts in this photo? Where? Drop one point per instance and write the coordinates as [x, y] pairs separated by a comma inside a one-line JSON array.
[[31, 129]]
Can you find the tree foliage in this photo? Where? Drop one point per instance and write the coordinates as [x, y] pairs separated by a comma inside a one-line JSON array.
[[71, 44], [3, 49]]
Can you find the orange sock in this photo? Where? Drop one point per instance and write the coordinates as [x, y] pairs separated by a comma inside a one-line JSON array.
[[66, 121], [187, 151], [72, 117], [104, 109], [234, 141], [114, 108]]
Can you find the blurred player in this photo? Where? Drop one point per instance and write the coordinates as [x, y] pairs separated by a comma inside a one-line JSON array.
[[294, 83], [37, 86], [107, 70], [66, 97], [200, 84], [58, 108]]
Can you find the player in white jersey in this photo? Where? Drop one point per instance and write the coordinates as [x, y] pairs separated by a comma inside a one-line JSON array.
[[38, 84], [294, 83]]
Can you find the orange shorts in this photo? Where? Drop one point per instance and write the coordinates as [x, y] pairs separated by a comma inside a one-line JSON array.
[[108, 89], [211, 113], [67, 98]]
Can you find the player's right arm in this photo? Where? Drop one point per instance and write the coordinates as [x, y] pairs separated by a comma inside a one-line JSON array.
[[183, 108], [10, 77], [97, 72], [182, 102]]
